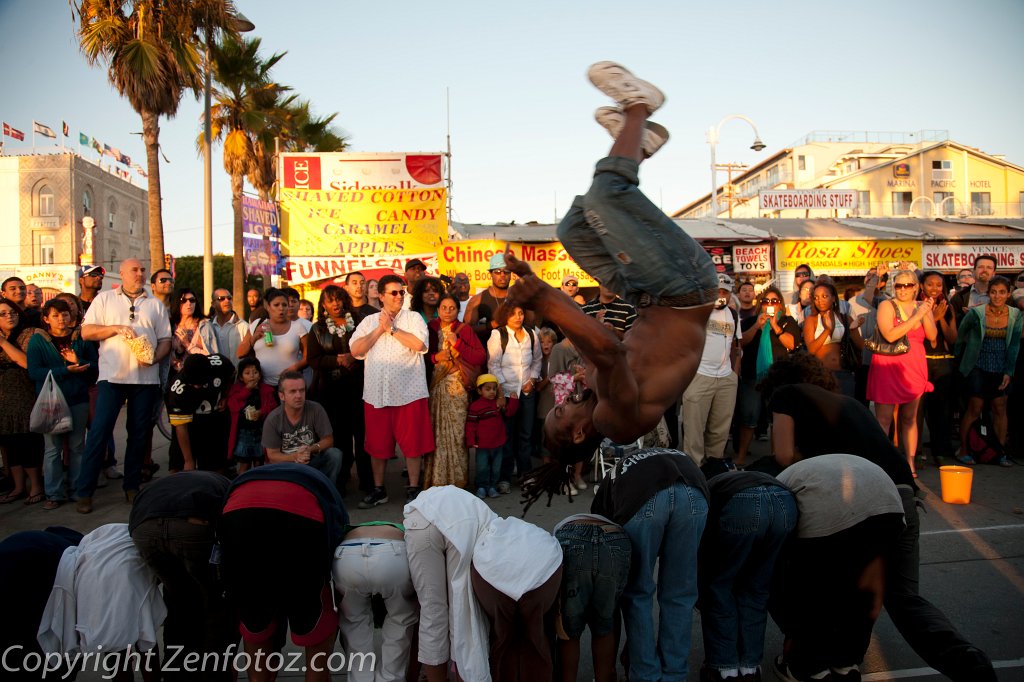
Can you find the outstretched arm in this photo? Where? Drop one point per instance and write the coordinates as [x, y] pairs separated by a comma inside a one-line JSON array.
[[596, 342]]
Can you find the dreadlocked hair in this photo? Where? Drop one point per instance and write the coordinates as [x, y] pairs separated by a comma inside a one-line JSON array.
[[554, 477]]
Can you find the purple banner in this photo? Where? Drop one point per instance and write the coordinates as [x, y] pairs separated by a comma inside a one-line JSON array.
[[260, 238]]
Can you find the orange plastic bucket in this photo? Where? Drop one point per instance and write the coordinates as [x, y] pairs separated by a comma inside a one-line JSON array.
[[956, 484]]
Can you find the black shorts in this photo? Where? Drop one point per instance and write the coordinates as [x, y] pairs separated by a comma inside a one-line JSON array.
[[982, 384], [276, 571]]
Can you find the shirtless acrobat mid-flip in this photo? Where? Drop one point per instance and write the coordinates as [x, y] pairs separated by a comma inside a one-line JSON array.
[[630, 246]]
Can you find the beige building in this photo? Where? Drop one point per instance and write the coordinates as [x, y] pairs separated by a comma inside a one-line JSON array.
[[43, 201], [923, 174]]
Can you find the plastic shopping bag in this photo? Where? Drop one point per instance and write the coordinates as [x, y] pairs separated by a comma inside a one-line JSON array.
[[51, 413]]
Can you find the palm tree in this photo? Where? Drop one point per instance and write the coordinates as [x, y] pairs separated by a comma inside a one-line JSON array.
[[152, 51], [243, 109]]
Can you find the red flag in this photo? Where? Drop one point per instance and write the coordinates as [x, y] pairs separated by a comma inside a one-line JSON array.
[[11, 131], [65, 128]]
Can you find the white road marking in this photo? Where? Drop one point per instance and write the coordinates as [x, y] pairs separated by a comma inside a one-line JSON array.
[[973, 530], [926, 672]]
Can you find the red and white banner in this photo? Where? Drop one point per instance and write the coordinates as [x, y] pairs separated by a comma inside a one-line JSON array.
[[752, 258]]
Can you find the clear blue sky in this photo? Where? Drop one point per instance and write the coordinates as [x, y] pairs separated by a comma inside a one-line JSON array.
[[523, 137]]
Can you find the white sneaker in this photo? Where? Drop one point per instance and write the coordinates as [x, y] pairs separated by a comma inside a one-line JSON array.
[[612, 119], [113, 473], [581, 484], [570, 490], [618, 83]]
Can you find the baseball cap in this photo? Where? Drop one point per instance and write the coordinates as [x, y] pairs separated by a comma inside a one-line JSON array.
[[570, 278], [485, 379], [724, 281], [90, 270], [497, 262], [415, 263]]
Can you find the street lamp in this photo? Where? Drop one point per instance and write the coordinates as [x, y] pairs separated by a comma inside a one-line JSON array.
[[713, 136], [242, 25]]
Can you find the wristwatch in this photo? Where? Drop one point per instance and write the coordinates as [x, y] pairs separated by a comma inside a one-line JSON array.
[[393, 330]]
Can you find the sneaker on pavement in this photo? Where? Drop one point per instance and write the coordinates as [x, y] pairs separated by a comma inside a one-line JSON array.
[[612, 119], [504, 487], [113, 473], [783, 672], [848, 674], [378, 497], [481, 493], [581, 484], [622, 86], [411, 492], [491, 492], [1004, 461]]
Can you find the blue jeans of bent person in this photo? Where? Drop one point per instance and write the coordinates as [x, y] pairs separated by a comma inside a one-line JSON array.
[[737, 559], [630, 246], [665, 531]]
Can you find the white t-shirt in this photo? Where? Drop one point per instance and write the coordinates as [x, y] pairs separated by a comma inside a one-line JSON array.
[[520, 362], [716, 360], [462, 310], [285, 352], [514, 556], [394, 374], [118, 364]]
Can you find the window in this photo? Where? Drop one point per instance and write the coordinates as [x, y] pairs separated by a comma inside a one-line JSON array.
[[946, 208], [46, 248], [942, 170], [111, 212], [45, 201], [773, 175], [87, 202], [131, 223], [981, 203], [901, 202], [801, 162], [864, 202]]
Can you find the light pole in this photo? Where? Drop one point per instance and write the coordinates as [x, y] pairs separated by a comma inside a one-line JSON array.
[[242, 25], [713, 136]]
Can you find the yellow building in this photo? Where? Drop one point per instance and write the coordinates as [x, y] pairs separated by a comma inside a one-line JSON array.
[[863, 174]]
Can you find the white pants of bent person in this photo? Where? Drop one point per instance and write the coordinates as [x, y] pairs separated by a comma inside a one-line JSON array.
[[364, 567]]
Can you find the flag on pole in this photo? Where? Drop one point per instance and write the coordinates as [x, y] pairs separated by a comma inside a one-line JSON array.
[[108, 151], [45, 131], [11, 131], [96, 145], [125, 159], [83, 139], [140, 170], [65, 128]]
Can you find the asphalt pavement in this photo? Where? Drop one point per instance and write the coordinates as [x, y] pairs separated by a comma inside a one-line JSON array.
[[972, 560]]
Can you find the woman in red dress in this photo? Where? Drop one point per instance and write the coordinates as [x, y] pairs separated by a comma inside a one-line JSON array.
[[902, 379]]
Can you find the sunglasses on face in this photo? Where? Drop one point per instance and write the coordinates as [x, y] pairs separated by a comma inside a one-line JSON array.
[[499, 272], [398, 293], [903, 285], [188, 300], [165, 280], [225, 298], [571, 284], [802, 274]]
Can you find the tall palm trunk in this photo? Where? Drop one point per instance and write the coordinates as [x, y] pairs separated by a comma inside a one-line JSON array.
[[238, 266], [151, 138]]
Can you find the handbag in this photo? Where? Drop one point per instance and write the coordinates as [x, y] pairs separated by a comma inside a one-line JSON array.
[[51, 413], [878, 344]]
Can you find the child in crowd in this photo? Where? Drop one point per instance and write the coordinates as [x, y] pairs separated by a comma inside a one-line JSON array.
[[250, 400], [485, 431]]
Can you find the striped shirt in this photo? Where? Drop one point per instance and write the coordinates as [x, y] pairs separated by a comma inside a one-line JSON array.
[[620, 314]]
